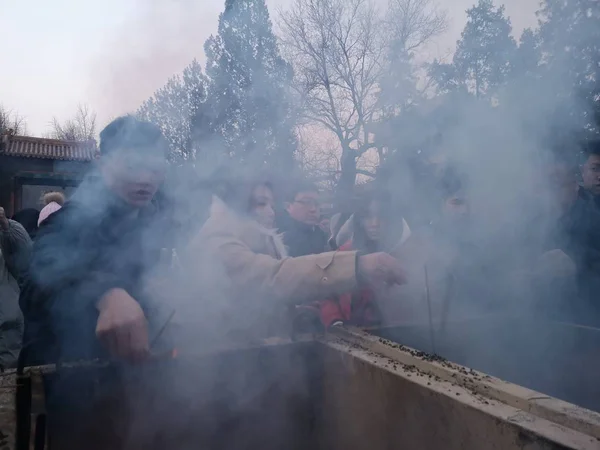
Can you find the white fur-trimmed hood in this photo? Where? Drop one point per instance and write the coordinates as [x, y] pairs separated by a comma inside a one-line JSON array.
[[346, 232]]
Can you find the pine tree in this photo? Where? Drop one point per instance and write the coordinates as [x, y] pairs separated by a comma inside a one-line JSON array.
[[398, 85], [484, 51], [173, 107], [481, 63], [251, 115], [526, 90], [570, 32], [528, 56]]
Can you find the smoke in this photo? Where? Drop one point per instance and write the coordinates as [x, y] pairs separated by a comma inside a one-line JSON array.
[[506, 154], [158, 38], [501, 149]]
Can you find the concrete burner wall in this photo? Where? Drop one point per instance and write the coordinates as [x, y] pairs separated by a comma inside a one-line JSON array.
[[326, 395], [372, 402]]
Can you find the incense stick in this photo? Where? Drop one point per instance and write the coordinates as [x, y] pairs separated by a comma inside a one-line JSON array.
[[162, 329], [431, 333]]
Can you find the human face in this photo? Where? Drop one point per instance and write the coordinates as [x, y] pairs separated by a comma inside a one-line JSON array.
[[134, 177], [591, 174], [262, 206], [305, 208], [456, 208], [372, 223]]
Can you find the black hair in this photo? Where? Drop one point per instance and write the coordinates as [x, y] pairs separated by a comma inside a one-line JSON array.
[[364, 201], [451, 182], [369, 196], [591, 148], [236, 188], [128, 132], [238, 196], [298, 186]]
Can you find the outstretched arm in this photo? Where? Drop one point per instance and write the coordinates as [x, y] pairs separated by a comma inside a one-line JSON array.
[[295, 280]]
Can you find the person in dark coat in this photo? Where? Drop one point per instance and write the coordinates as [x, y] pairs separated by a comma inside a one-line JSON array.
[[590, 173], [458, 278], [14, 248], [83, 295], [575, 231], [558, 246], [302, 234], [53, 201], [28, 217]]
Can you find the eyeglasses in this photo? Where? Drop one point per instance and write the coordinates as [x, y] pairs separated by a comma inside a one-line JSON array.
[[309, 203]]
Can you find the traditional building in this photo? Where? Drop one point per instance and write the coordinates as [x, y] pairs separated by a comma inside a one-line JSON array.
[[30, 166]]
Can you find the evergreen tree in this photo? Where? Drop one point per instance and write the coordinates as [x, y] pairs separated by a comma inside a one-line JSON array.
[[527, 90], [527, 58], [173, 106], [481, 63], [398, 84], [251, 115], [570, 32]]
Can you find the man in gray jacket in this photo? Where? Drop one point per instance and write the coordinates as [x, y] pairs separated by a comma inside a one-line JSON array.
[[14, 248]]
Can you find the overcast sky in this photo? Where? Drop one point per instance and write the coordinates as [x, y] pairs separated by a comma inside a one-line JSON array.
[[112, 54]]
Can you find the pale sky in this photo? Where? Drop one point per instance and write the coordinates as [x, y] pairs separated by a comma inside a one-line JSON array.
[[113, 54]]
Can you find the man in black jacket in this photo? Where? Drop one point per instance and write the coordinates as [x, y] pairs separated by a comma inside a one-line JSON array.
[[567, 236], [590, 171], [83, 296], [15, 245], [302, 234]]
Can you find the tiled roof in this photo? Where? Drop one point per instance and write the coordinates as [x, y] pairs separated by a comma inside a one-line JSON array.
[[34, 147]]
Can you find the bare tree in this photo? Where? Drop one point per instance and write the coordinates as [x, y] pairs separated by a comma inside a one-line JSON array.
[[10, 121], [344, 54], [318, 159], [82, 127], [413, 23], [336, 49]]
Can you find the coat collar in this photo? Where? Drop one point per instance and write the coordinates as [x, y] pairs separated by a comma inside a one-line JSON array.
[[289, 223]]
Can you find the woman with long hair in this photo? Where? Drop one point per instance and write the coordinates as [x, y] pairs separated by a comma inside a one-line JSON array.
[[375, 226], [253, 285]]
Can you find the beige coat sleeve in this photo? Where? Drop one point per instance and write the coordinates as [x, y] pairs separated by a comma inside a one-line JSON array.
[[298, 280]]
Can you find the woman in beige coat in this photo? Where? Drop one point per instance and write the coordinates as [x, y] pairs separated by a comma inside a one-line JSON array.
[[248, 284]]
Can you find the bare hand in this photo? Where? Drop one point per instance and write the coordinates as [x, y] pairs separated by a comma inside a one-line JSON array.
[[122, 326], [3, 219], [381, 268]]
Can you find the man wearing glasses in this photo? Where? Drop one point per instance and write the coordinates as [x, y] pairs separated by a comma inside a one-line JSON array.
[[301, 231]]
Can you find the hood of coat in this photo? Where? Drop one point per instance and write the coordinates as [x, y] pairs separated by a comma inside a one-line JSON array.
[[346, 234], [223, 219]]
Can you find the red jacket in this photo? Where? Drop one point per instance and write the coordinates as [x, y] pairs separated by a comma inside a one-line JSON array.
[[356, 308]]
